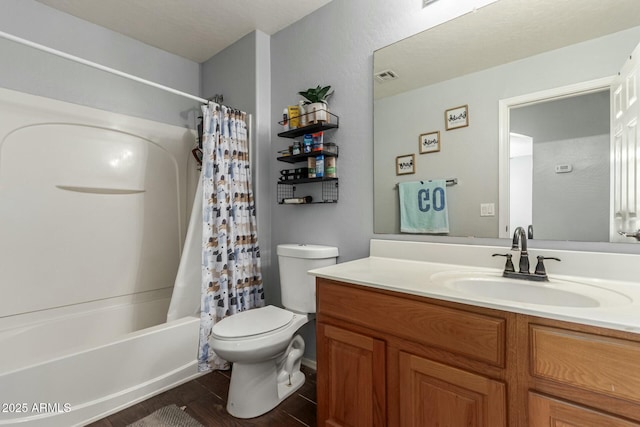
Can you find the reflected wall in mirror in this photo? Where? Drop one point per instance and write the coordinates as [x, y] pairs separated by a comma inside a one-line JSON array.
[[558, 162], [504, 50]]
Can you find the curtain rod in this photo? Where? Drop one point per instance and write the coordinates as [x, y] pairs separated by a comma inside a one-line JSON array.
[[99, 66]]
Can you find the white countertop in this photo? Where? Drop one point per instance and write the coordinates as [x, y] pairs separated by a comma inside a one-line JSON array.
[[414, 277]]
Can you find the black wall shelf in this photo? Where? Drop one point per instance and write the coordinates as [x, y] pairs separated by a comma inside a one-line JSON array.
[[287, 190], [325, 189], [304, 156], [312, 128], [305, 180]]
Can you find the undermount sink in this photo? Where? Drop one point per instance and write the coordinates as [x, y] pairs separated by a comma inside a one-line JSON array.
[[563, 293]]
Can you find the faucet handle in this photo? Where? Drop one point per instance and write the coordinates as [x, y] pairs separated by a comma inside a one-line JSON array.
[[508, 267], [540, 266]]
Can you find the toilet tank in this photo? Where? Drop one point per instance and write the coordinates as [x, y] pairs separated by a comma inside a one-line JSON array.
[[298, 289]]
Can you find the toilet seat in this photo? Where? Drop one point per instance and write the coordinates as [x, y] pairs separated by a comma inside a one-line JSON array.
[[259, 321]]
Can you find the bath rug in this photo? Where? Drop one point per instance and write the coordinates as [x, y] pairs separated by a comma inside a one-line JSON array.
[[167, 416]]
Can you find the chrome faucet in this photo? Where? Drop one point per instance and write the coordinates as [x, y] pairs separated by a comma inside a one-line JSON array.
[[520, 243]]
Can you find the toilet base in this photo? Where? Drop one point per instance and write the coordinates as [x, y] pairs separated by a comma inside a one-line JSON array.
[[257, 388]]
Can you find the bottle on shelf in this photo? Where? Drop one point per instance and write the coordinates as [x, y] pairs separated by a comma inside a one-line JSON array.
[[285, 119], [303, 115]]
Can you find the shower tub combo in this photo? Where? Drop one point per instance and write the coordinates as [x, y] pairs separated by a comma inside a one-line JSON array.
[[92, 222]]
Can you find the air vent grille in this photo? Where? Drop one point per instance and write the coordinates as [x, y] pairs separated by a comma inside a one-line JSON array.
[[385, 76]]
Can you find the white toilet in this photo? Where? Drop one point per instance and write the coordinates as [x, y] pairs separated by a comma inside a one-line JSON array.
[[260, 342]]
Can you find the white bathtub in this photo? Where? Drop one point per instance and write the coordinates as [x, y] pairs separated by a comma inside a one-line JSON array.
[[89, 251], [85, 362]]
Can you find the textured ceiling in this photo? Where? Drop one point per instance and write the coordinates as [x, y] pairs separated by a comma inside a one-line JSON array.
[[501, 32], [194, 29]]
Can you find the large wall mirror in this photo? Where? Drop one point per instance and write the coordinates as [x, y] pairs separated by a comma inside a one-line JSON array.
[[564, 52]]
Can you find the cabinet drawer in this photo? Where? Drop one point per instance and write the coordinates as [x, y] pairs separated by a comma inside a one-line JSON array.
[[545, 411], [609, 366], [473, 335]]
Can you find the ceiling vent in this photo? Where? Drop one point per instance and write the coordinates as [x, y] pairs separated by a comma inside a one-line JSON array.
[[426, 3], [385, 76]]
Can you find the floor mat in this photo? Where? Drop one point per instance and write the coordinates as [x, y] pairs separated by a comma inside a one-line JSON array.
[[168, 416]]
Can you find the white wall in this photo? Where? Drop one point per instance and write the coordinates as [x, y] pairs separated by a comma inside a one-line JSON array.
[[520, 191]]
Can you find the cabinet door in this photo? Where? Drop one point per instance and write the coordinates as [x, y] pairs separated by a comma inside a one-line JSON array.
[[351, 378], [433, 394], [547, 412]]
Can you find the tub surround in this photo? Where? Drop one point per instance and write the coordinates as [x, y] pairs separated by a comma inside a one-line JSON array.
[[407, 267], [88, 266], [387, 336]]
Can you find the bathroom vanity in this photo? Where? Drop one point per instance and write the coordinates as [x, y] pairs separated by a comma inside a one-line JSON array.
[[398, 348]]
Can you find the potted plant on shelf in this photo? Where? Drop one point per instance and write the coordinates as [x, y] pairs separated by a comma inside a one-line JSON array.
[[316, 103]]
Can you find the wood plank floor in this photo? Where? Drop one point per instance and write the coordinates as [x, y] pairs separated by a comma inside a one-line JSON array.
[[205, 399]]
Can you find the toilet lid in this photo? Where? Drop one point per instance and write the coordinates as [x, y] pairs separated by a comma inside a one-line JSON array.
[[252, 322]]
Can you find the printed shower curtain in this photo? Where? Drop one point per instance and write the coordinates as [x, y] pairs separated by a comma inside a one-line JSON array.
[[231, 276]]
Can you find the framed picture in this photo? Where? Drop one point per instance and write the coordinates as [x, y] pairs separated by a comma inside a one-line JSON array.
[[429, 142], [457, 117], [406, 164]]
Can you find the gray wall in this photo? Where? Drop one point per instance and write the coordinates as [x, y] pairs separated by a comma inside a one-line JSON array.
[[28, 70], [569, 206], [334, 46], [575, 205], [231, 73]]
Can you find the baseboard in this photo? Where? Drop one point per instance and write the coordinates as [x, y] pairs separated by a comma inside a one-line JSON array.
[[309, 363]]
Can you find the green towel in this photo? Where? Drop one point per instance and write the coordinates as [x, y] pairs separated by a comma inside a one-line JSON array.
[[423, 206]]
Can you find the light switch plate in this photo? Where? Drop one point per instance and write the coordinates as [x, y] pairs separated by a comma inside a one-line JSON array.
[[487, 209]]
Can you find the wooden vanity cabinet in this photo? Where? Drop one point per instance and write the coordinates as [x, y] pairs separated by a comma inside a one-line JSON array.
[[393, 359], [388, 359], [579, 375]]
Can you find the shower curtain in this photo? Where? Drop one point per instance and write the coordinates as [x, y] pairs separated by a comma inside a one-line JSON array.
[[231, 276]]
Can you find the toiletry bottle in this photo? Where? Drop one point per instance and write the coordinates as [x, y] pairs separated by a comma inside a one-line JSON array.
[[311, 164], [303, 116], [320, 166], [294, 116], [330, 167], [307, 143], [285, 119]]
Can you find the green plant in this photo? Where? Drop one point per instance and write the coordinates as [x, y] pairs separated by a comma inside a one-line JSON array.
[[318, 94]]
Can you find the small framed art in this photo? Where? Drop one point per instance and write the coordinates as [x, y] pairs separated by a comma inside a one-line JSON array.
[[457, 117], [405, 164], [429, 142]]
